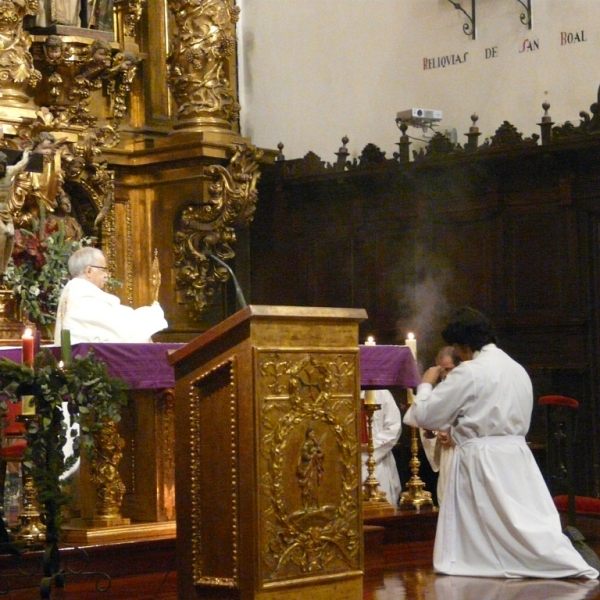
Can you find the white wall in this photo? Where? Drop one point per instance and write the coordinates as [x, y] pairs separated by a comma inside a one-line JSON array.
[[312, 71]]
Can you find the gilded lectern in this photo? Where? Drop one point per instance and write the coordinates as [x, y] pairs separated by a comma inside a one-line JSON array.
[[267, 457]]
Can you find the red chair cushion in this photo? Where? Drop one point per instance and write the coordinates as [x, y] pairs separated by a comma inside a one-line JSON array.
[[13, 427], [559, 401], [584, 505], [13, 452]]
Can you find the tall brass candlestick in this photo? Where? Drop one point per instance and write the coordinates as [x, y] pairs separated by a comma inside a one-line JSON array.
[[31, 528], [416, 496]]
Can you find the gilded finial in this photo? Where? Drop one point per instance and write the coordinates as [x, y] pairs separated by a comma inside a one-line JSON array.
[[155, 276]]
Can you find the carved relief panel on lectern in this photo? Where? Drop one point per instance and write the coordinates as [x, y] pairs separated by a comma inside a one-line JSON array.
[[308, 466]]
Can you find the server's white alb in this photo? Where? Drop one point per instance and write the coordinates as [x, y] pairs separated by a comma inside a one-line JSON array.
[[498, 518]]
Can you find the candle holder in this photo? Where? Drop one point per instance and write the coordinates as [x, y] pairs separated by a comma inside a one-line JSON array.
[[374, 499], [416, 495], [30, 530]]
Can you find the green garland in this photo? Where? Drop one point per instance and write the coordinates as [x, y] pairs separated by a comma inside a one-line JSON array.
[[92, 396]]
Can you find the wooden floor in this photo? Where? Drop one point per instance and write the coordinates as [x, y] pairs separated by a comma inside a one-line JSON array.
[[398, 565], [412, 583]]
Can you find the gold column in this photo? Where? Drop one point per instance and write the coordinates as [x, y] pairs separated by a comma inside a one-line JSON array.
[[201, 64], [18, 76]]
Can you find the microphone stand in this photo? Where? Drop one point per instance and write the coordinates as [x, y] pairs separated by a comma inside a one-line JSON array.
[[238, 290]]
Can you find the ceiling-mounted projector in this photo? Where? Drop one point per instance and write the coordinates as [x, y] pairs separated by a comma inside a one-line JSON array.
[[419, 116]]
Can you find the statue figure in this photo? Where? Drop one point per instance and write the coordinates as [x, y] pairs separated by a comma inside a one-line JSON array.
[[7, 227], [53, 49], [101, 14], [309, 471], [31, 188], [61, 12], [62, 217], [98, 63]]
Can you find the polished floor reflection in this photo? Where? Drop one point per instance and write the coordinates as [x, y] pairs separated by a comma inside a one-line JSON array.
[[408, 575], [414, 583], [423, 584]]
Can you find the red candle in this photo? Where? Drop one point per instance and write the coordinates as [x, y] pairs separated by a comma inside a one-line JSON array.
[[27, 348]]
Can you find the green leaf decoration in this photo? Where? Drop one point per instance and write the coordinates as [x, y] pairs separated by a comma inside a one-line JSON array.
[[92, 397]]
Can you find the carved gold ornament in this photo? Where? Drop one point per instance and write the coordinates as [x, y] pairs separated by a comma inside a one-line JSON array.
[[107, 453], [18, 76], [74, 72], [69, 162], [209, 226], [203, 47], [308, 465], [129, 12]]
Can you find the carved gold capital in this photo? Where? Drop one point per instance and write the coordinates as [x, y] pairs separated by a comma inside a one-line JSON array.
[[75, 71], [18, 77]]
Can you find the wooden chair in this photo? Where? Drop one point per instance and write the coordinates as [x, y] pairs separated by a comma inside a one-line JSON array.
[[560, 427]]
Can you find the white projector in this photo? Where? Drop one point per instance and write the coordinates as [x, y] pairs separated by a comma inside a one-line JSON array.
[[419, 115]]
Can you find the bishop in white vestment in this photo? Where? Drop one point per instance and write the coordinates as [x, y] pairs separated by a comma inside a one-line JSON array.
[[92, 315]]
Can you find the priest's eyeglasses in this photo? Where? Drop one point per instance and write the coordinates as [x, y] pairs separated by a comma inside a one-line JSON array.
[[98, 267]]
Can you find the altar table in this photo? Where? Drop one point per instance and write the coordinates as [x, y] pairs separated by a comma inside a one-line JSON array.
[[147, 425], [145, 366]]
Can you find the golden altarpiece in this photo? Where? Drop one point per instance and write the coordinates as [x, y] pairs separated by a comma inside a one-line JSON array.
[[135, 119]]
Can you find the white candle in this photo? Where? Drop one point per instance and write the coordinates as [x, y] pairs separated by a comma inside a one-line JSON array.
[[411, 342], [370, 397], [370, 341]]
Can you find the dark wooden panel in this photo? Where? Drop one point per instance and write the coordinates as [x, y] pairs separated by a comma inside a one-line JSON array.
[[514, 233], [541, 267]]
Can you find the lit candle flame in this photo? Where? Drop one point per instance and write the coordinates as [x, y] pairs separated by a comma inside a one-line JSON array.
[[28, 333], [411, 342]]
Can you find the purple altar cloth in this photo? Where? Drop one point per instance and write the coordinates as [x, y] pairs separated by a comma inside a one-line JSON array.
[[145, 366], [386, 366], [142, 366]]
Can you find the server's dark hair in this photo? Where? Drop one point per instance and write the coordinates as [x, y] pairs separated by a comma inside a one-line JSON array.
[[469, 327]]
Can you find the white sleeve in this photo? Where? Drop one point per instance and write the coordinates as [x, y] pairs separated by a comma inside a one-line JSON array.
[[387, 426], [93, 317], [146, 321], [429, 445], [437, 408]]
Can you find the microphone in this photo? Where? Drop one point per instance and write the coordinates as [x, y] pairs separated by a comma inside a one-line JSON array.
[[238, 290]]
